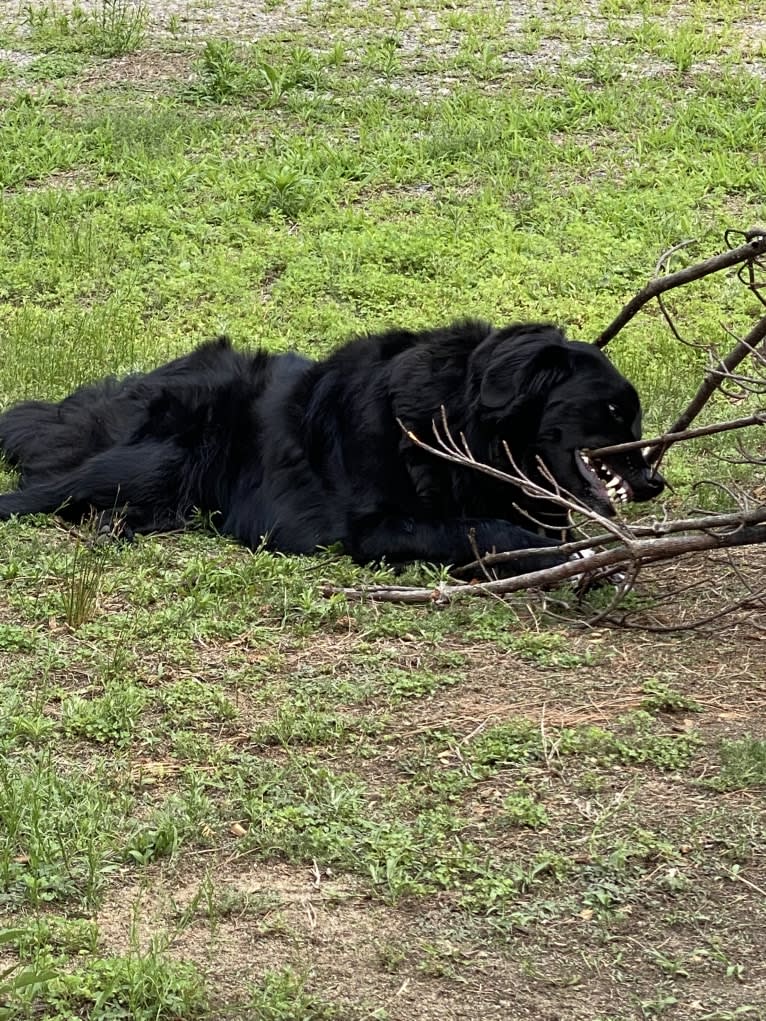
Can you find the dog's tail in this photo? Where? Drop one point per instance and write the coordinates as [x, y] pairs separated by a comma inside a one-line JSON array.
[[42, 438]]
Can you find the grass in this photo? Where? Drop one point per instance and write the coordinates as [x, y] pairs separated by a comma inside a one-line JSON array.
[[110, 29], [224, 796], [143, 984]]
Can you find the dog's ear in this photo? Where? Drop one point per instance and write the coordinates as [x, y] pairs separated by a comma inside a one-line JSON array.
[[521, 371]]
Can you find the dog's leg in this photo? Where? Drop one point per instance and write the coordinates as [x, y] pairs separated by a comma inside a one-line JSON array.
[[143, 478], [453, 542]]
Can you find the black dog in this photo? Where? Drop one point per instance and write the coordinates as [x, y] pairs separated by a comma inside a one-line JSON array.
[[305, 454]]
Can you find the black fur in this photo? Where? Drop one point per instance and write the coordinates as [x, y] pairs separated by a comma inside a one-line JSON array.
[[308, 454]]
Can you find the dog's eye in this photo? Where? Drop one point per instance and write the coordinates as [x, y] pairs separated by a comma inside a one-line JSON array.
[[615, 412]]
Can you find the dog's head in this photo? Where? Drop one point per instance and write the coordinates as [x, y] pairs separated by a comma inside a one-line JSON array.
[[552, 400]]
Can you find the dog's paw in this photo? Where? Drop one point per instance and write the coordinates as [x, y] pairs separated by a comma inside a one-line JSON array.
[[613, 576]]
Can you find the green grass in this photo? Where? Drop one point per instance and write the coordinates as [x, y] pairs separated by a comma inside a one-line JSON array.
[[143, 984], [743, 764], [110, 28], [223, 796]]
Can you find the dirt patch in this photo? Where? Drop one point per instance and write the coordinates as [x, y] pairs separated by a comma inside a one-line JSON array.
[[429, 962], [147, 69]]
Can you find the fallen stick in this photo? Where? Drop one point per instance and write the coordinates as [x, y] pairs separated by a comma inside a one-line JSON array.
[[636, 553], [708, 523]]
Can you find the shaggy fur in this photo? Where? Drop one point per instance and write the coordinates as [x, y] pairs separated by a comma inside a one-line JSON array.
[[307, 453]]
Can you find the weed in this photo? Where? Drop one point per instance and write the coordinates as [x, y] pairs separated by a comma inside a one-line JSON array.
[[57, 934], [22, 723], [404, 684], [54, 66], [154, 840], [688, 44], [542, 648], [192, 701], [185, 817], [223, 75], [83, 578], [304, 812], [227, 73], [383, 56], [439, 960], [58, 832], [14, 638], [284, 996], [110, 28], [492, 891], [657, 1007], [304, 725], [515, 742], [660, 697], [109, 718], [743, 764], [143, 985], [15, 982], [191, 746], [519, 742], [391, 956], [285, 188], [519, 809]]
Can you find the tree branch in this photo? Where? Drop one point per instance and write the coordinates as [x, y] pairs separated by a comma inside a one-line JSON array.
[[619, 546], [744, 253], [714, 377], [647, 551], [658, 529], [669, 438]]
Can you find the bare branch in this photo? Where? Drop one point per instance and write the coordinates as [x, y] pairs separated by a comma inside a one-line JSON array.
[[667, 439], [556, 494], [619, 546], [662, 266], [703, 523], [744, 253], [647, 551], [712, 379]]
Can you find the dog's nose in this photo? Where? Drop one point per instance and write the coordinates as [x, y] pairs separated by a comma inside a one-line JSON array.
[[652, 485]]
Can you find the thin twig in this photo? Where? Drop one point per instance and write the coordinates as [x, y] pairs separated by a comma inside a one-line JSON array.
[[662, 265], [621, 590], [451, 452], [689, 625]]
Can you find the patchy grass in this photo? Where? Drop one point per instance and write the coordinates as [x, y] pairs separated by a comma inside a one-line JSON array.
[[223, 796], [109, 28]]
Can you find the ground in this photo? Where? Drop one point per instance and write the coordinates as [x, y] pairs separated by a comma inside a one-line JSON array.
[[225, 796]]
